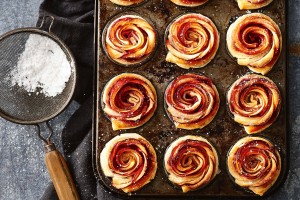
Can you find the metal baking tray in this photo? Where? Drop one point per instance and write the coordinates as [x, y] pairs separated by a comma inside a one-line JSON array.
[[223, 132]]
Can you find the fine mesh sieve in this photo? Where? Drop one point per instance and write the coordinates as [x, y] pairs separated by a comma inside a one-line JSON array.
[[25, 106], [18, 105]]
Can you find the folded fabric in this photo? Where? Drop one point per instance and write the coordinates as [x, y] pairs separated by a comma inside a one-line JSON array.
[[74, 24]]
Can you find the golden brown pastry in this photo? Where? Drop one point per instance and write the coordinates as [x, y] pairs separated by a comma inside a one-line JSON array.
[[129, 100], [256, 41], [252, 4], [191, 162], [130, 160], [192, 41], [192, 101], [130, 39], [126, 2], [254, 100], [254, 163], [189, 3]]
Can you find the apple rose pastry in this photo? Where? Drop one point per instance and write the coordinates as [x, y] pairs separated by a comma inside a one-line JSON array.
[[192, 101], [130, 40], [127, 2], [130, 160], [254, 163], [192, 41], [129, 101], [255, 40], [254, 101], [189, 3], [191, 162], [252, 4]]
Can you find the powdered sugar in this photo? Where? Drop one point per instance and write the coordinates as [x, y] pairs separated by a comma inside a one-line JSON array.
[[42, 67]]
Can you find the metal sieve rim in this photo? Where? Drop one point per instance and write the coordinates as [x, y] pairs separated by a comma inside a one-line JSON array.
[[72, 62]]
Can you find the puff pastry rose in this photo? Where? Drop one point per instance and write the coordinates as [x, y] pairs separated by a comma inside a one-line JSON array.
[[252, 4], [192, 101], [189, 3], [130, 160], [256, 41], [129, 40], [126, 2], [254, 100], [192, 41], [129, 100], [254, 163], [191, 162]]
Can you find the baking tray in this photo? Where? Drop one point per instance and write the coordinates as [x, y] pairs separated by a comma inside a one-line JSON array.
[[223, 132]]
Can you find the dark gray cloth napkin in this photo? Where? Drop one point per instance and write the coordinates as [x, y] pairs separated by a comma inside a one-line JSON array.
[[74, 25]]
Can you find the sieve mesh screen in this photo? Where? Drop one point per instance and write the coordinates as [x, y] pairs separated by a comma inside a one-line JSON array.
[[18, 105]]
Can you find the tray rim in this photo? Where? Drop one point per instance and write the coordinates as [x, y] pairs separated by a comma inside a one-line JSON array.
[[95, 166]]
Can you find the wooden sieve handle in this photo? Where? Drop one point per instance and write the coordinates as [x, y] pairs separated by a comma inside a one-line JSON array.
[[60, 174]]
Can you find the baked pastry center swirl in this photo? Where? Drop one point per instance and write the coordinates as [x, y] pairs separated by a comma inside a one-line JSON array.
[[254, 163], [254, 101], [191, 162], [256, 41], [130, 160], [192, 41], [129, 40], [129, 100], [192, 101]]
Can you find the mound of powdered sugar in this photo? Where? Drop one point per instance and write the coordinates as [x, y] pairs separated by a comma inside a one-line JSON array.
[[42, 67]]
